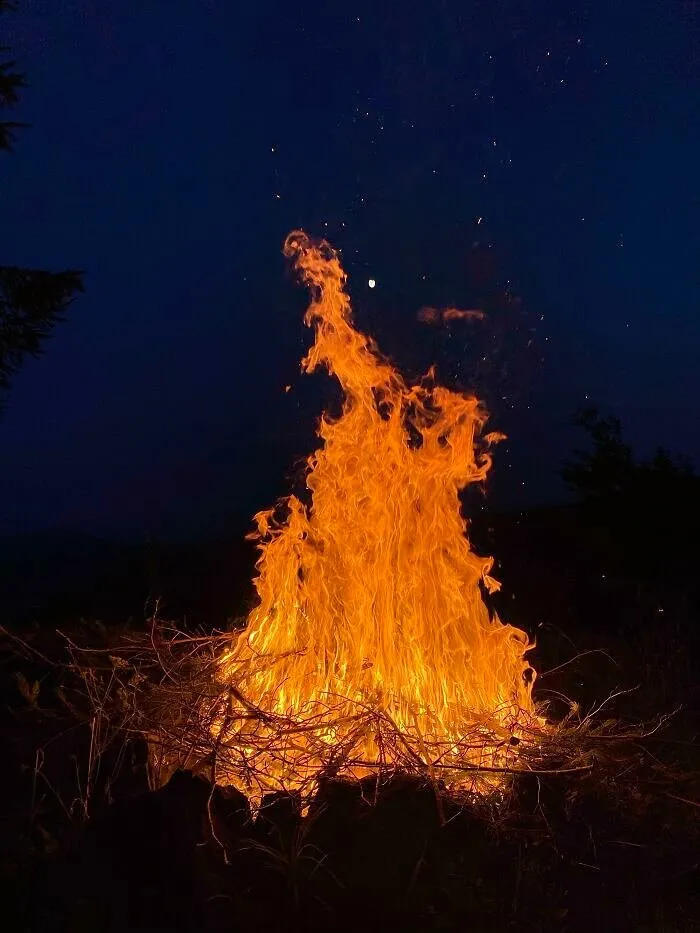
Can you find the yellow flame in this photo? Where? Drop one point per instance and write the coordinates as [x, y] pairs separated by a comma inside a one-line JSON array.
[[371, 644]]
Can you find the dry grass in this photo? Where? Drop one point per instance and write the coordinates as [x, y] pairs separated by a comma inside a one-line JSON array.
[[593, 805], [159, 686]]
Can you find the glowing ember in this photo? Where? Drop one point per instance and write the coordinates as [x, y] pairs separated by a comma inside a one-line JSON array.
[[371, 646]]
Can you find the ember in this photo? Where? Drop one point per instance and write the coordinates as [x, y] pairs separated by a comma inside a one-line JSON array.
[[371, 646]]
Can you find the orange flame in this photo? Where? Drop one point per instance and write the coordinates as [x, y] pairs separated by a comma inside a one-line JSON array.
[[371, 644]]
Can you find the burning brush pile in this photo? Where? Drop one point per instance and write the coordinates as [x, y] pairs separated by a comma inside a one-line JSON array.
[[371, 648]]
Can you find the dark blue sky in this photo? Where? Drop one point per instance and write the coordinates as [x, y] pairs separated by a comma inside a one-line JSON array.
[[538, 159]]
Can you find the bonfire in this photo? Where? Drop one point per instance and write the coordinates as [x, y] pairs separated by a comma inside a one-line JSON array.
[[372, 650], [372, 646]]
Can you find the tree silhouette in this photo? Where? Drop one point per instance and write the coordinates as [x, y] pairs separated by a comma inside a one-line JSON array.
[[638, 517], [32, 301], [608, 469], [605, 469]]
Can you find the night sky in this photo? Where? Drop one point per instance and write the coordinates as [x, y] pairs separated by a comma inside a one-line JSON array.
[[537, 160]]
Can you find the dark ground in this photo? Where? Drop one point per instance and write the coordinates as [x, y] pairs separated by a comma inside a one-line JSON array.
[[563, 854]]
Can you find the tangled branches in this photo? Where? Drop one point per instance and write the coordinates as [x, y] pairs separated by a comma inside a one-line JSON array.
[[160, 688]]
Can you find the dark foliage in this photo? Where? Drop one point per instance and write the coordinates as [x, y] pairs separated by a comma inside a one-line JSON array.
[[32, 301], [11, 82], [609, 468], [637, 518]]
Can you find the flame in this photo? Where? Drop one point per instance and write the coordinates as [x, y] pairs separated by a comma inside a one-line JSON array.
[[371, 644]]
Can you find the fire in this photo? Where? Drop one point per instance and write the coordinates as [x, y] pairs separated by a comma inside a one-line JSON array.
[[371, 645]]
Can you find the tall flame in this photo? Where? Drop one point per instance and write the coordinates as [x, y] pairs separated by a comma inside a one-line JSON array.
[[371, 644]]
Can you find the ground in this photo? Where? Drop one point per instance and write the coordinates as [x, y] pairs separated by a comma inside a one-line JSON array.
[[611, 851]]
